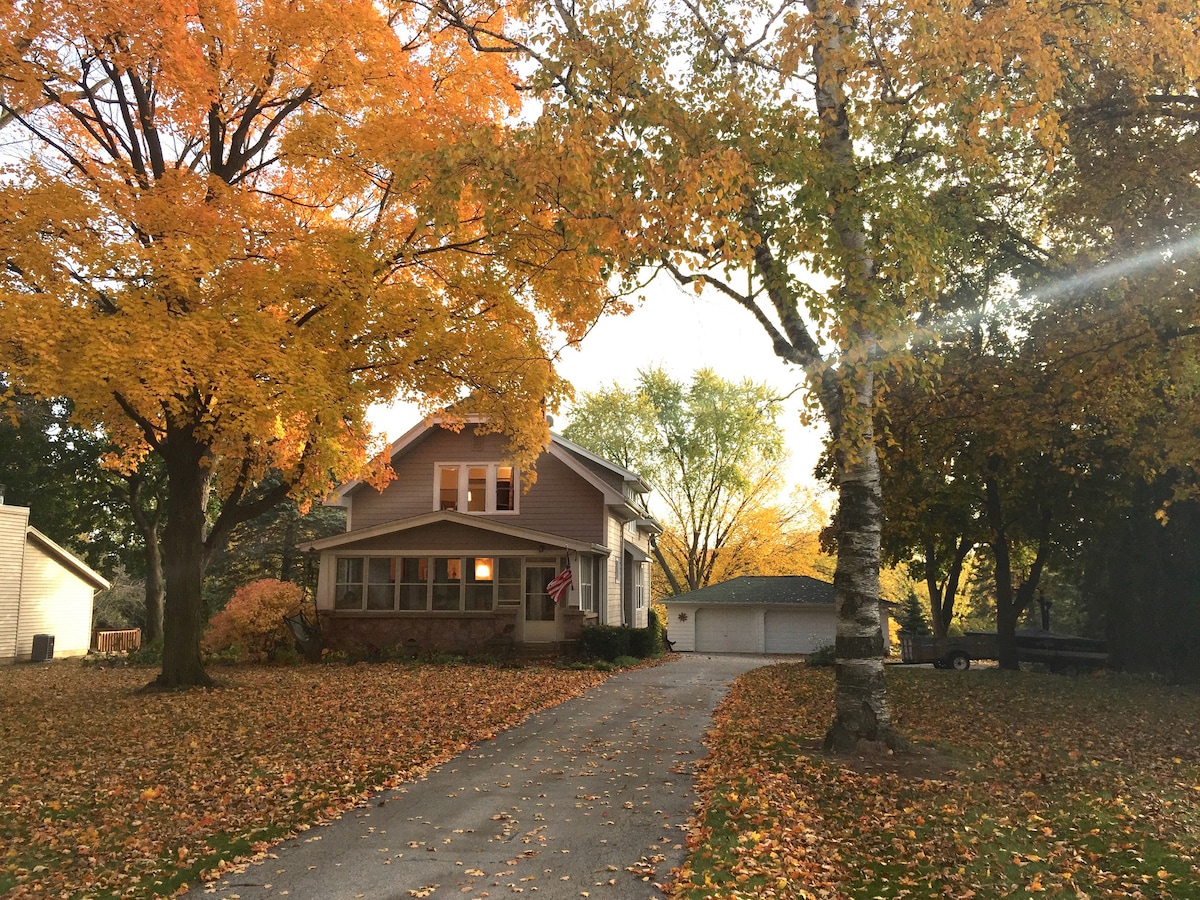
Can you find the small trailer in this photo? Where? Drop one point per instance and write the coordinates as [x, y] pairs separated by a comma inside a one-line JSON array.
[[1063, 653], [950, 652]]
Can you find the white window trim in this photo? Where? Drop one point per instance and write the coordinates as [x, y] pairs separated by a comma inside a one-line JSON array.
[[586, 567], [464, 486]]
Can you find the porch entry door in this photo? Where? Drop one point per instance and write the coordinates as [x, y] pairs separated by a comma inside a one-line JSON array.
[[541, 612]]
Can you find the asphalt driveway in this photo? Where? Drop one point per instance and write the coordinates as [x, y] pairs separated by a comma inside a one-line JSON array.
[[588, 799]]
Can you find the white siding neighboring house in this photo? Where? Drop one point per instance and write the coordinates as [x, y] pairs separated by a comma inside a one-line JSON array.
[[783, 614], [43, 590]]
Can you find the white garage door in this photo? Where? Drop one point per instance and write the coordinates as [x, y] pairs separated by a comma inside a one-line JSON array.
[[798, 630], [725, 631]]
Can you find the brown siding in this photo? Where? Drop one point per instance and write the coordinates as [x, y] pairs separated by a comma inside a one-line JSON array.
[[615, 574], [447, 536], [563, 503], [560, 502], [605, 474]]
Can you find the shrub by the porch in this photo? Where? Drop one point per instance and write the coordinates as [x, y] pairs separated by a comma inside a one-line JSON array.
[[608, 642], [253, 619]]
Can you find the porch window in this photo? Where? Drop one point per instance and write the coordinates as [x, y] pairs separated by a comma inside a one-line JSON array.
[[381, 583], [480, 584], [475, 488], [348, 589], [639, 585], [425, 584], [414, 583], [508, 582], [447, 584]]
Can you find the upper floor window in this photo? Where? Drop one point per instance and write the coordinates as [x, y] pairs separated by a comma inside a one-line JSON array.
[[475, 488]]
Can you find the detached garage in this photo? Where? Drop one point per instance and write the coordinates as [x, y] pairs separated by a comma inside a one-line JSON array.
[[783, 614]]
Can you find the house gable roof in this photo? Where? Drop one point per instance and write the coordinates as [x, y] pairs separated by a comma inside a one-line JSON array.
[[639, 484], [478, 523], [66, 559], [567, 452], [791, 590]]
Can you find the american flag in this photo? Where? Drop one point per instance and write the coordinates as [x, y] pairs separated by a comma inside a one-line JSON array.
[[559, 585]]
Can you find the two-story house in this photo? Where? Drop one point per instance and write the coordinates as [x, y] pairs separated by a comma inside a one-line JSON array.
[[460, 550]]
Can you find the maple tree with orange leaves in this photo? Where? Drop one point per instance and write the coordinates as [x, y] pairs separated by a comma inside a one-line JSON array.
[[230, 228]]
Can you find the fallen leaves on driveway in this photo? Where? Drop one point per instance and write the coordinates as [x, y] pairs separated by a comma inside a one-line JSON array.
[[1022, 785], [107, 793]]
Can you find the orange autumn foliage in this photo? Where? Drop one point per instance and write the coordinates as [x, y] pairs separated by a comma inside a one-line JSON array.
[[252, 620], [232, 229]]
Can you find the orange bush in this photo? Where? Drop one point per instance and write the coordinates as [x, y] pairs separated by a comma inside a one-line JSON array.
[[253, 618]]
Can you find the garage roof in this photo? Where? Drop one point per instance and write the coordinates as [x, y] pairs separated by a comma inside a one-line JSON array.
[[789, 589]]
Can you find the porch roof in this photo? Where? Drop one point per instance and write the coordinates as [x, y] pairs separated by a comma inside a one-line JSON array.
[[486, 526]]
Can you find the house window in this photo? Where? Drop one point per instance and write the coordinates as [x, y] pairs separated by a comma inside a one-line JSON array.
[[381, 583], [587, 583], [348, 590], [477, 488], [447, 482], [639, 585], [508, 586], [414, 584], [447, 584], [506, 488]]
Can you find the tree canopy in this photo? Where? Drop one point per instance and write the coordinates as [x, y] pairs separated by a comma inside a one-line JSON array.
[[713, 451], [818, 163], [228, 229]]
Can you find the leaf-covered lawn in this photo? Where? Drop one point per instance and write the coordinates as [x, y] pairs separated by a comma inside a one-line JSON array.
[[106, 793], [1023, 785]]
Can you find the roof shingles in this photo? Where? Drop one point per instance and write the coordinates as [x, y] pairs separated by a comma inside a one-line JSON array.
[[781, 589]]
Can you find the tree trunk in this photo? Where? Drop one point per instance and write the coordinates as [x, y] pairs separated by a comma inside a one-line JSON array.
[[184, 556], [937, 620], [148, 520], [155, 589], [672, 581], [861, 708], [942, 596], [1006, 605]]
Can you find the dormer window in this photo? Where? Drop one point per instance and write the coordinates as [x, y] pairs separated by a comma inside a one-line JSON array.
[[475, 487]]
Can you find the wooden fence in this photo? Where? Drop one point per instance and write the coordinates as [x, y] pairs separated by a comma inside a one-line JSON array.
[[117, 641]]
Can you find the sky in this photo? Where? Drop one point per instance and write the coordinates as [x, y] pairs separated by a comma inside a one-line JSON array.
[[681, 332]]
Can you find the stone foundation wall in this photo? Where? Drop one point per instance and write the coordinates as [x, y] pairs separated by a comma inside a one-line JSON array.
[[449, 633]]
